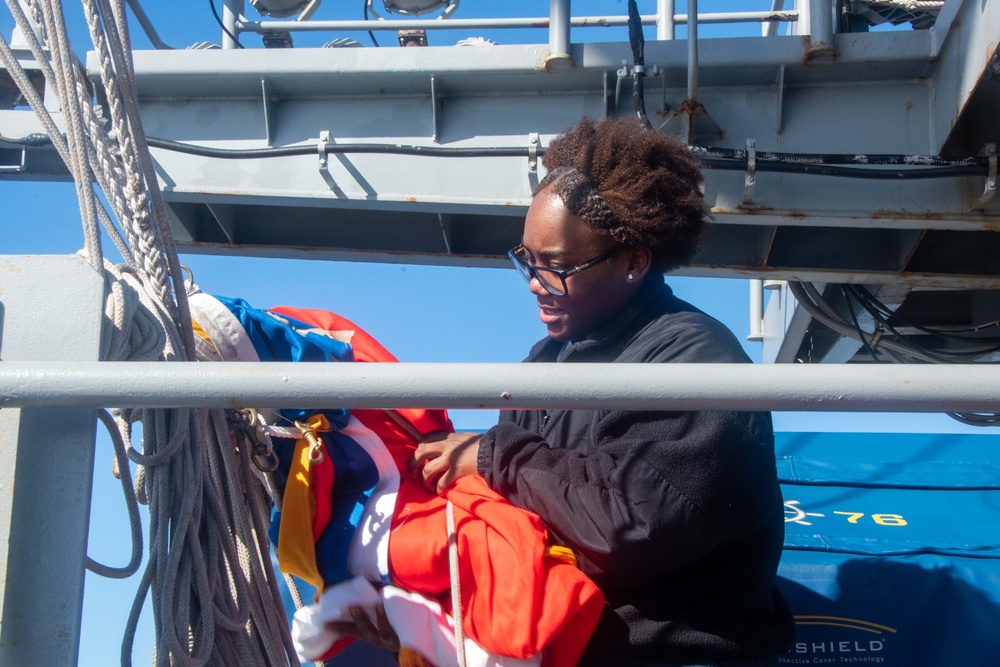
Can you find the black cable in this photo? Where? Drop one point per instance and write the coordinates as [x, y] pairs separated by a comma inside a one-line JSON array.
[[976, 418], [933, 354], [965, 169], [864, 296], [497, 151], [311, 149], [857, 326], [808, 302], [848, 172], [29, 140], [824, 314], [938, 356], [856, 159], [370, 33], [955, 335], [978, 327], [638, 44], [215, 13]]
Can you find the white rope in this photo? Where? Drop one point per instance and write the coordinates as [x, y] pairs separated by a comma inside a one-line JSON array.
[[69, 76], [58, 140], [910, 5], [131, 504], [456, 584], [133, 185], [214, 591], [121, 53]]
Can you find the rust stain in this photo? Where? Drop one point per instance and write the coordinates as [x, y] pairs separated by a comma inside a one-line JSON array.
[[752, 210], [818, 54], [883, 214], [410, 199], [690, 107]]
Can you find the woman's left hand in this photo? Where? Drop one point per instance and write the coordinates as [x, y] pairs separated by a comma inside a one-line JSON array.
[[439, 463], [379, 633]]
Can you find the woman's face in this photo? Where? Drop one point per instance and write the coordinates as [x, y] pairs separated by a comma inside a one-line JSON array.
[[555, 238]]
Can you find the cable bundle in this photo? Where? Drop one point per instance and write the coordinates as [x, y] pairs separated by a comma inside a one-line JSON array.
[[886, 344]]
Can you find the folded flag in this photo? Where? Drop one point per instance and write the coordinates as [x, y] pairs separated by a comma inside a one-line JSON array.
[[354, 524]]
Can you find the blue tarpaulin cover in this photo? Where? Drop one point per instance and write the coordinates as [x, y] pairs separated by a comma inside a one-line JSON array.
[[892, 548]]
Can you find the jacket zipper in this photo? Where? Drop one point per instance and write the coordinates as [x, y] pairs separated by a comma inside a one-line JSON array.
[[543, 421]]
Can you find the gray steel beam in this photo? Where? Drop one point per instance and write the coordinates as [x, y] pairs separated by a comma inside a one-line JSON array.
[[559, 36], [520, 22], [963, 71], [692, 51], [785, 326], [231, 11], [881, 388], [46, 461], [492, 99], [732, 62], [820, 26], [665, 19], [881, 95], [492, 96]]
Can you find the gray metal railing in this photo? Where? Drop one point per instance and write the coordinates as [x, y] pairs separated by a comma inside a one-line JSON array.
[[786, 387], [504, 23], [558, 22]]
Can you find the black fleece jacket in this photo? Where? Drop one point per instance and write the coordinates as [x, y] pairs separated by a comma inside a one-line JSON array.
[[676, 516]]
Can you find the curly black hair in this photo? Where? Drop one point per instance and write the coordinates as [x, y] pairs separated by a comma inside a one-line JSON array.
[[634, 185]]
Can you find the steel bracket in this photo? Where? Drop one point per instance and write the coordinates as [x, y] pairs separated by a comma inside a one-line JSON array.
[[990, 189], [19, 168], [604, 90], [533, 152], [321, 146], [268, 100], [435, 116], [623, 73], [750, 178], [780, 104]]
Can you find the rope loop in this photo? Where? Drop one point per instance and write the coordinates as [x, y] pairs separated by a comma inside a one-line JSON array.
[[206, 478]]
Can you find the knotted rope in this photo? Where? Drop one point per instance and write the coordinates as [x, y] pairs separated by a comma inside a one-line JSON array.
[[214, 590]]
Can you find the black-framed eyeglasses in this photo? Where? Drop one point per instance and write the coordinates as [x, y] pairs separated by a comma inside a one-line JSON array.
[[553, 280]]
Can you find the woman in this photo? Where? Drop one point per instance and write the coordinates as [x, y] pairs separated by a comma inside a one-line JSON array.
[[676, 516]]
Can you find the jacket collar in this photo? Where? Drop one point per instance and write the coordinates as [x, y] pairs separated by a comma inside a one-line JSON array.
[[646, 304]]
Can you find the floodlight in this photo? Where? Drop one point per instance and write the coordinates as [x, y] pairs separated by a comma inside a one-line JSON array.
[[414, 7], [279, 8]]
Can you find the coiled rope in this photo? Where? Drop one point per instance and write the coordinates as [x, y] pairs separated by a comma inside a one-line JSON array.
[[214, 590]]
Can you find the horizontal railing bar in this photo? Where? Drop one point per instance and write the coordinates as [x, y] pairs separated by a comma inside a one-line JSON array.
[[794, 387], [501, 23]]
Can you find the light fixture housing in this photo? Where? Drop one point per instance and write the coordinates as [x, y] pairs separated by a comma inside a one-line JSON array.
[[413, 7], [279, 8]]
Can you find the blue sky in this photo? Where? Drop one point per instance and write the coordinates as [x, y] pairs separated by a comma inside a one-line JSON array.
[[419, 313]]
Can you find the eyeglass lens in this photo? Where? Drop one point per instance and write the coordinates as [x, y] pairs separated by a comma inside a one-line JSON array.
[[552, 282]]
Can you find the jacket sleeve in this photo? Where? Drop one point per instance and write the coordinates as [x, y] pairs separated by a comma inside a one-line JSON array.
[[657, 491], [648, 491]]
